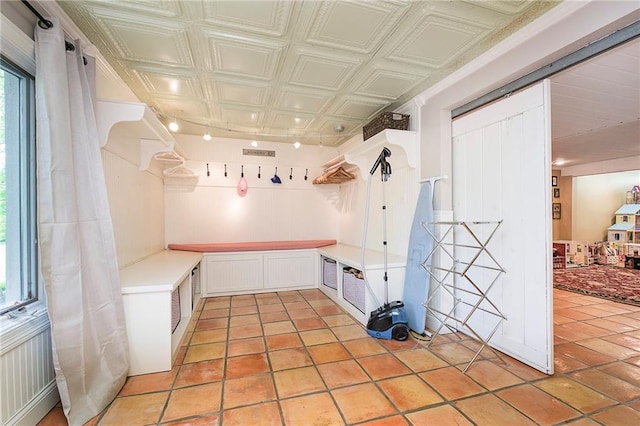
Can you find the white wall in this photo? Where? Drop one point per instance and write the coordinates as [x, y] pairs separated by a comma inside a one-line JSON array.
[[595, 199], [211, 210], [401, 191]]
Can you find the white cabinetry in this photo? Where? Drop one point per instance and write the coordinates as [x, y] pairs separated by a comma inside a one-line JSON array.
[[290, 269], [260, 271], [350, 256], [147, 290]]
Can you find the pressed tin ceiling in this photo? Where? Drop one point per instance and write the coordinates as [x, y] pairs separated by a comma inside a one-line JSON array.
[[290, 70]]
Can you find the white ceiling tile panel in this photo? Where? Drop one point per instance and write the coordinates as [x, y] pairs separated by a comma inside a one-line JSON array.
[[294, 100], [388, 84], [358, 108], [356, 26], [509, 7], [328, 125], [231, 115], [290, 122], [240, 92], [242, 57], [167, 8], [187, 108], [146, 39], [317, 69], [263, 17], [436, 41], [164, 83]]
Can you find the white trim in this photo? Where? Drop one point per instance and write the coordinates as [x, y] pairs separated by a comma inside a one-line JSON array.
[[38, 407], [25, 325], [17, 46]]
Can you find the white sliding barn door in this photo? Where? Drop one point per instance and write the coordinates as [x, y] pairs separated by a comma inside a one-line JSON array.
[[502, 172]]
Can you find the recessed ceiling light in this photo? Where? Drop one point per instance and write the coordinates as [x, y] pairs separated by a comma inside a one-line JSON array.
[[559, 162], [296, 145], [206, 137], [173, 126], [254, 144]]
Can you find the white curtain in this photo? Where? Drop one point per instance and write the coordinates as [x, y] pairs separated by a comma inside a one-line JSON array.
[[77, 248]]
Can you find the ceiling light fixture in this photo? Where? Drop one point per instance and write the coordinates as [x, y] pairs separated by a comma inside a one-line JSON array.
[[206, 136], [559, 162], [173, 126], [296, 144], [254, 144]]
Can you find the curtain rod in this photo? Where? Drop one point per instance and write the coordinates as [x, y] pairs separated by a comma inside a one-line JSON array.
[[45, 24]]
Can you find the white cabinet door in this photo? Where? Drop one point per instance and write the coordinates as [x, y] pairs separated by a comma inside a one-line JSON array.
[[502, 171], [232, 273], [291, 269]]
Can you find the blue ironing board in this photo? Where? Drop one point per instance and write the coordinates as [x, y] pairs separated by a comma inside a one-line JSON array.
[[416, 279]]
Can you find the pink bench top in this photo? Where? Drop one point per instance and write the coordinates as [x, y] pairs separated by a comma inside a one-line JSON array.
[[252, 246]]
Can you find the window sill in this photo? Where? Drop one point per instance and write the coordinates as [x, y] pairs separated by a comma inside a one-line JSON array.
[[23, 326]]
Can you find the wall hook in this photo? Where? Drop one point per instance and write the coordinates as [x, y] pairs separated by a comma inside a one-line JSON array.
[[258, 172], [306, 173], [242, 171], [225, 170], [208, 174], [291, 174], [276, 178]]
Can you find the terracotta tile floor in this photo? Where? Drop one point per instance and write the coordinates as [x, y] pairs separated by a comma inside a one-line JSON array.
[[295, 358]]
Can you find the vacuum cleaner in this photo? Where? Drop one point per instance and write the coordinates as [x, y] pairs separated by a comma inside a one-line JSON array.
[[389, 321]]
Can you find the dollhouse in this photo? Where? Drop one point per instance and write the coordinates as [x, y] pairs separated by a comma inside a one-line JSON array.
[[626, 228]]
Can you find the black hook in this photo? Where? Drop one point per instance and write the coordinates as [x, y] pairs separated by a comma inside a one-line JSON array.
[[242, 171], [225, 170], [258, 172], [208, 174], [291, 174], [306, 172]]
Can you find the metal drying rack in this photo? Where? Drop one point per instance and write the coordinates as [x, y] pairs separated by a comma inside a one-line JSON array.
[[469, 295]]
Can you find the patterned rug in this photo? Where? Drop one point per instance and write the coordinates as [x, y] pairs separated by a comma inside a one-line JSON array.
[[608, 282]]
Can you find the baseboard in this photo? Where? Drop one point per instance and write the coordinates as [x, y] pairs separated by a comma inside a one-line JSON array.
[[37, 408]]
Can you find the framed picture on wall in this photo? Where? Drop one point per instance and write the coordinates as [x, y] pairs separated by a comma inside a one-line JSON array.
[[556, 192], [556, 210], [554, 180]]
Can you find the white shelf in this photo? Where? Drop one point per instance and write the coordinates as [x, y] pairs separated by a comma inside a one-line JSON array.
[[350, 255], [141, 123], [401, 143], [162, 271]]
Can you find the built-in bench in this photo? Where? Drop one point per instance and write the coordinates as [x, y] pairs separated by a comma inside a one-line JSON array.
[[266, 266], [256, 267], [159, 298], [253, 246]]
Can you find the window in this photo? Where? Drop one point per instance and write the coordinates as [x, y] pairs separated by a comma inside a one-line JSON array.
[[18, 259]]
